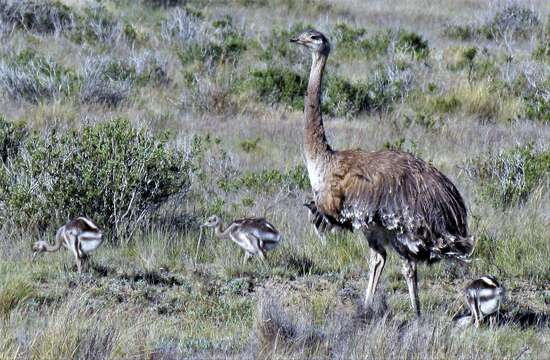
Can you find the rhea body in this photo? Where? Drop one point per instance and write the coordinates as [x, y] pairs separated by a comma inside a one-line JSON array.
[[256, 236], [81, 236], [484, 297], [394, 198], [322, 223]]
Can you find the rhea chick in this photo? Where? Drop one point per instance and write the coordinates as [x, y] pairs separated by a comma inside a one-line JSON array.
[[255, 236], [80, 235], [484, 297]]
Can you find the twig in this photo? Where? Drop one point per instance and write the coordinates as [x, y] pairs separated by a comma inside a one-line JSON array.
[[523, 351], [198, 245]]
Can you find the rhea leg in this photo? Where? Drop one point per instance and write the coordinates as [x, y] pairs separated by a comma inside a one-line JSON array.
[[246, 257], [78, 264], [409, 271], [376, 265]]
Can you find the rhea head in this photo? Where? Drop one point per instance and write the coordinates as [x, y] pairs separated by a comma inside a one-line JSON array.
[[212, 221], [313, 40], [38, 247]]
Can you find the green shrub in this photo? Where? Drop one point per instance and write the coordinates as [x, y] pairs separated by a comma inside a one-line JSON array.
[[96, 26], [279, 85], [11, 138], [37, 16], [513, 19], [459, 32], [538, 106], [32, 77], [219, 43], [542, 51], [340, 97], [249, 146], [412, 43], [111, 171], [512, 175], [14, 290], [278, 45], [268, 181]]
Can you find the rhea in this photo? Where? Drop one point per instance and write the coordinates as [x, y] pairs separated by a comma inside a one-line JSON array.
[[394, 198], [80, 235], [255, 236], [484, 297], [322, 224]]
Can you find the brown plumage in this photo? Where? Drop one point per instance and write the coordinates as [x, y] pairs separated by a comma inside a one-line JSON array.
[[393, 197]]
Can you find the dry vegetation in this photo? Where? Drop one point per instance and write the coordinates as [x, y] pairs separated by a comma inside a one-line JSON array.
[[150, 115]]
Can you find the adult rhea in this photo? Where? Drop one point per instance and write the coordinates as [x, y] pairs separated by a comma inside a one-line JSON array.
[[393, 197]]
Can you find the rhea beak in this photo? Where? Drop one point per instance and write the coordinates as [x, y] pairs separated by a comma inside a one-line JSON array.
[[293, 40], [34, 253]]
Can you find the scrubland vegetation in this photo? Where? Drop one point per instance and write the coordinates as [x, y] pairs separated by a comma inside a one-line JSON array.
[[150, 115]]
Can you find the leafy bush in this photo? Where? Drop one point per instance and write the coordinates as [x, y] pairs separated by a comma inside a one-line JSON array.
[[32, 77], [99, 88], [196, 40], [209, 92], [279, 85], [340, 97], [538, 106], [112, 172], [97, 25], [277, 45], [512, 175], [11, 138], [412, 43], [513, 19], [38, 16], [459, 32], [268, 181], [542, 51], [353, 42]]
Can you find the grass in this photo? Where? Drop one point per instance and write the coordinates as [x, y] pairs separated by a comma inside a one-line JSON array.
[[462, 84]]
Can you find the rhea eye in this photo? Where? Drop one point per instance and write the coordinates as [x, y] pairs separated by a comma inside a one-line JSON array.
[[315, 37]]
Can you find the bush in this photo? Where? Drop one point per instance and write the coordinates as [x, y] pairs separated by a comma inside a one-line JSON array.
[[513, 19], [268, 181], [37, 16], [512, 175], [459, 32], [277, 45], [112, 172], [98, 88], [542, 51], [97, 25], [279, 85], [412, 43], [351, 42], [11, 138], [340, 97], [198, 41], [32, 77]]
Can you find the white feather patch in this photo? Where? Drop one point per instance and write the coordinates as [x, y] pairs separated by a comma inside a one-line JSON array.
[[488, 281], [88, 222]]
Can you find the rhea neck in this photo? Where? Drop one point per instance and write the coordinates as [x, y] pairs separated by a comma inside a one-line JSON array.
[[316, 144], [53, 248], [219, 231]]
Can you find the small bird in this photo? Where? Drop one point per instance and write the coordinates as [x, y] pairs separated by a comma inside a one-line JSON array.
[[255, 236], [80, 235], [484, 297]]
